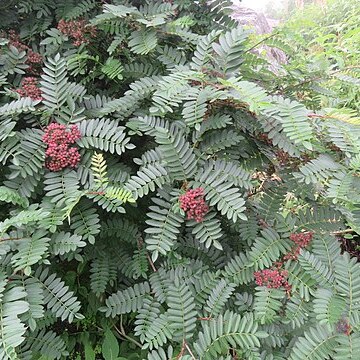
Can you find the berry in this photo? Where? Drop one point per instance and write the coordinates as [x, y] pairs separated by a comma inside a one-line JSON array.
[[29, 88], [14, 40], [302, 239], [193, 203], [34, 60], [77, 30], [272, 278], [59, 153]]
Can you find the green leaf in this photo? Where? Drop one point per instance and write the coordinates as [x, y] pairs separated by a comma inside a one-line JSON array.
[[110, 346]]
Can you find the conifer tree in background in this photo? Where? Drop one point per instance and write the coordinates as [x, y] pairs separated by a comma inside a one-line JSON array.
[[157, 202]]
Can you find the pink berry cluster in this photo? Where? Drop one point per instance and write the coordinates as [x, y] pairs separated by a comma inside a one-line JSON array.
[[301, 240], [29, 88], [14, 40], [34, 59], [273, 278], [59, 153], [193, 203], [78, 30]]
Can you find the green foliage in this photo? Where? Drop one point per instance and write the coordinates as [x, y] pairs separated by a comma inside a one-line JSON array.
[[101, 261]]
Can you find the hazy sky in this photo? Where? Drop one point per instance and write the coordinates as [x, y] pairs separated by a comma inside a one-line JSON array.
[[257, 4]]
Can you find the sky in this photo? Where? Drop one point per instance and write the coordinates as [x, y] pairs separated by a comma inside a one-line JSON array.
[[257, 4]]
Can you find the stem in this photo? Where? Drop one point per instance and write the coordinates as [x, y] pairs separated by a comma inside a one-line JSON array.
[[151, 262], [122, 333], [12, 239], [189, 350], [181, 351], [340, 232], [260, 42]]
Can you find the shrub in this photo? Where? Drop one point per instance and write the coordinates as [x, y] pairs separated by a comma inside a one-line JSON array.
[[188, 214]]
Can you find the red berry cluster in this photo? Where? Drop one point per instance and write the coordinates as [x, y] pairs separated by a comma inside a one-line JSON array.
[[273, 278], [59, 152], [301, 240], [77, 30], [14, 40], [194, 204], [34, 59], [29, 88]]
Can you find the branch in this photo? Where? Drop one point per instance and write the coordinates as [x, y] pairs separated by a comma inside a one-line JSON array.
[[340, 232], [189, 351], [321, 77], [122, 333], [12, 239], [260, 42], [151, 262]]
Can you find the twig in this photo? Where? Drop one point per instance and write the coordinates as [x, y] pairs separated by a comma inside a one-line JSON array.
[[189, 351], [340, 232], [151, 262], [260, 42], [12, 239], [182, 350], [95, 193], [121, 332], [258, 189]]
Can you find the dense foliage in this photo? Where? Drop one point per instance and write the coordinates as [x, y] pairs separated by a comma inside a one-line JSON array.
[[157, 202], [322, 47]]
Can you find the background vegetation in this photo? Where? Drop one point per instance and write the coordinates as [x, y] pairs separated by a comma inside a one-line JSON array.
[[165, 195]]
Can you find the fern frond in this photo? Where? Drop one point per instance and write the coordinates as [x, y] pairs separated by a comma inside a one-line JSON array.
[[347, 277], [57, 297], [267, 304], [328, 306], [226, 331], [126, 301], [209, 231], [30, 251], [104, 134], [317, 344], [218, 297], [181, 313], [164, 227], [146, 179], [229, 50]]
